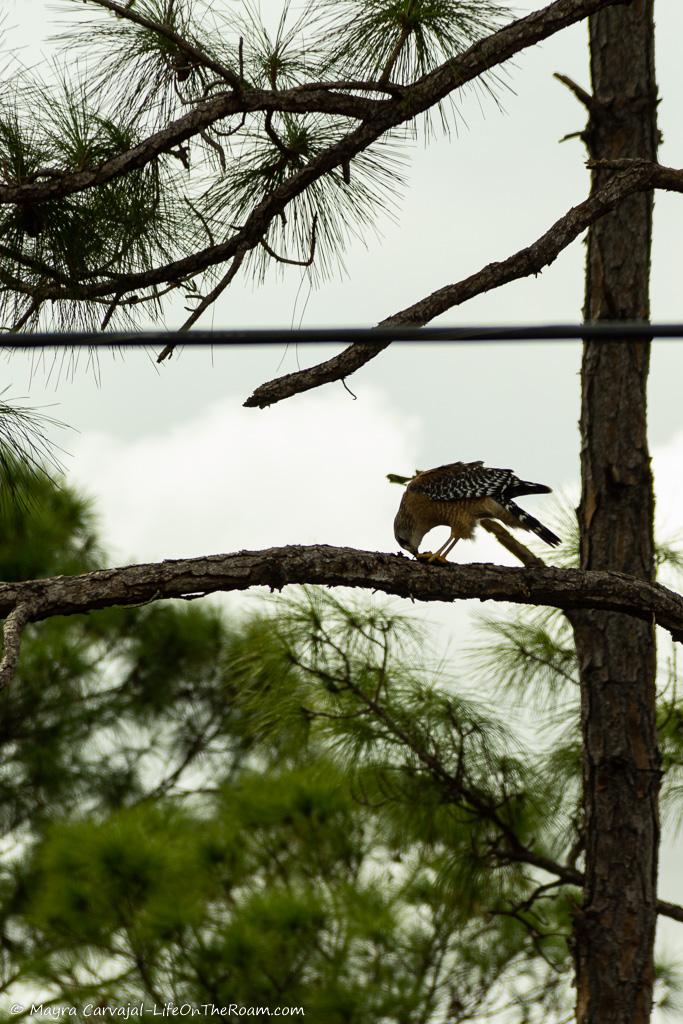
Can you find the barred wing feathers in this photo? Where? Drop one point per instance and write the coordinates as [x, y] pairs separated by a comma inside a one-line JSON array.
[[471, 481]]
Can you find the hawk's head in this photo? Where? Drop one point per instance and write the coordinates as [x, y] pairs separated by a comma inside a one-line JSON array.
[[406, 531]]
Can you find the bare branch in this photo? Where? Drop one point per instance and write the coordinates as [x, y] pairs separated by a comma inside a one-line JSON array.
[[581, 94], [389, 87], [32, 308], [233, 131], [202, 219], [111, 309], [670, 910], [571, 876], [11, 636], [510, 543], [275, 138], [297, 263], [207, 301], [631, 177], [347, 567], [403, 37], [337, 368], [134, 300], [619, 164], [217, 148]]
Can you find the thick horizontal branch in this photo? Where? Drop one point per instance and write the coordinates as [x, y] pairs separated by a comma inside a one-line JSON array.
[[630, 177], [346, 567], [36, 600]]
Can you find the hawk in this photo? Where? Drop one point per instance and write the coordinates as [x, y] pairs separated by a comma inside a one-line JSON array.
[[458, 495]]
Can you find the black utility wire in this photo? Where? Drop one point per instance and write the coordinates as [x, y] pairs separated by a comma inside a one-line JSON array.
[[605, 331]]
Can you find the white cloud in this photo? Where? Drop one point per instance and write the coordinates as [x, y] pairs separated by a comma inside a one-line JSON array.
[[667, 461], [232, 478], [303, 472]]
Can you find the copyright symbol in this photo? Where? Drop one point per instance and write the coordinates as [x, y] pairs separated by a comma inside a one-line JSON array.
[[17, 1008]]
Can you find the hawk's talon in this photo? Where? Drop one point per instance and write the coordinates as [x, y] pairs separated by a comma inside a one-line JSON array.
[[431, 557]]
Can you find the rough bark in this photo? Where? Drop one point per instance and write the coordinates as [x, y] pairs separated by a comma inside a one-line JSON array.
[[614, 930], [530, 260], [340, 567], [34, 600]]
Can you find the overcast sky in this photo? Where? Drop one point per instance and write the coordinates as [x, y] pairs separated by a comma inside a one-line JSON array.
[[178, 467]]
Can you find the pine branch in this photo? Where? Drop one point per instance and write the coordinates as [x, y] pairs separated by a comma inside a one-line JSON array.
[[293, 262], [392, 88], [463, 795], [32, 308], [37, 600], [203, 116], [636, 177], [195, 53], [207, 301], [377, 116], [229, 276], [24, 447], [347, 567]]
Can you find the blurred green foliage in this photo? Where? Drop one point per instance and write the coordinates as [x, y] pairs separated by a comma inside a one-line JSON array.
[[292, 808]]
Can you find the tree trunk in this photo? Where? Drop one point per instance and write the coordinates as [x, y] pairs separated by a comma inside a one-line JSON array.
[[615, 927]]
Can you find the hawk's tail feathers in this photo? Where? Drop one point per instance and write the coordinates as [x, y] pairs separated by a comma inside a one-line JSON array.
[[527, 487], [527, 522]]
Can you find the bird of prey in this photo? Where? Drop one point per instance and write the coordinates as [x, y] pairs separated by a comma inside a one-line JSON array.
[[459, 495]]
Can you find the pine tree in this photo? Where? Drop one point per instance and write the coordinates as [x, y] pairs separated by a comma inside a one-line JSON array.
[[189, 145]]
